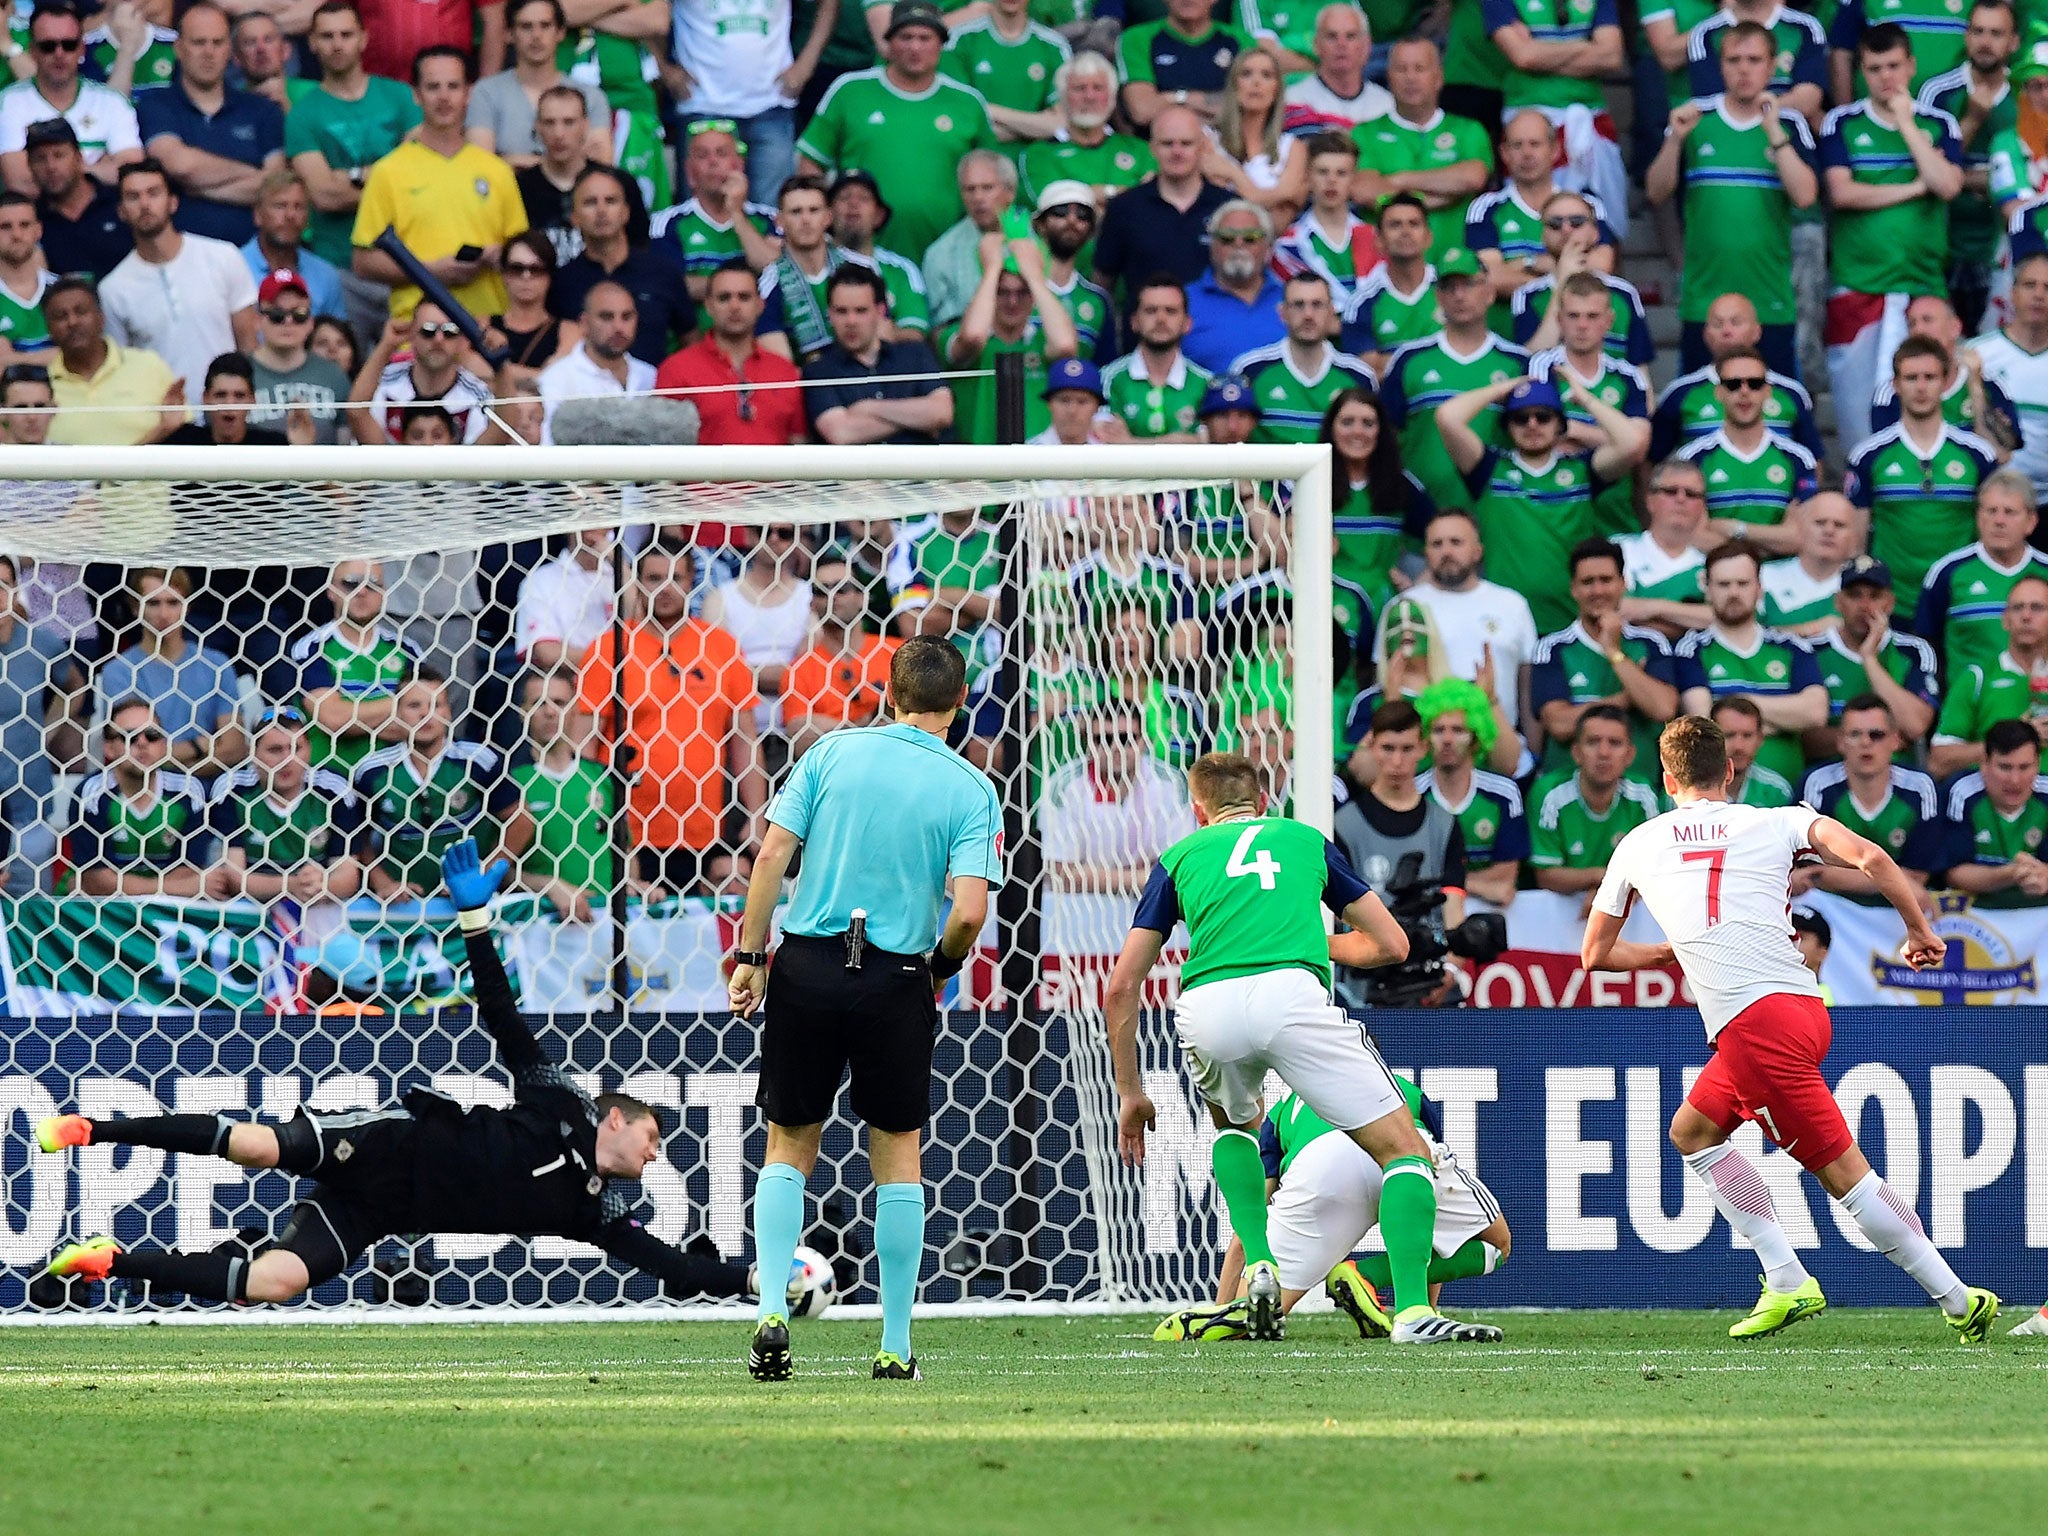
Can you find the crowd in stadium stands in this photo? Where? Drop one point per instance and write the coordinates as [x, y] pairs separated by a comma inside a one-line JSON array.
[[1401, 227]]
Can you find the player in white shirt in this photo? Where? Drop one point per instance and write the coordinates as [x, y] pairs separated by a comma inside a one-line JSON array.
[[1716, 876]]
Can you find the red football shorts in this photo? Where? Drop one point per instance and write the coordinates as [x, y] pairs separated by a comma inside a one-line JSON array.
[[1766, 1068]]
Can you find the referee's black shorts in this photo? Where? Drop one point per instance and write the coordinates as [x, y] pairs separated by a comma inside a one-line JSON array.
[[822, 1019]]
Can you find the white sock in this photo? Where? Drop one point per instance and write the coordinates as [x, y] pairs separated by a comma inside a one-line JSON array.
[[1493, 1261], [1741, 1195], [1891, 1224]]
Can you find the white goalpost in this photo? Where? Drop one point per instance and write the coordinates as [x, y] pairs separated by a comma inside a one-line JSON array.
[[211, 928]]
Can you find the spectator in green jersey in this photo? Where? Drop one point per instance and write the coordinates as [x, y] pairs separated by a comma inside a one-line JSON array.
[[2011, 686], [1978, 94], [1737, 655], [141, 827], [1086, 149], [1012, 61], [1968, 400], [1742, 164], [1461, 726], [1919, 478], [1755, 478], [1381, 508], [1582, 817], [1505, 228], [1962, 602], [1064, 218], [1328, 239], [1295, 378], [1742, 724], [1533, 500], [1394, 303], [1600, 659], [1154, 391], [1012, 311], [1862, 655], [1664, 564], [347, 673], [1799, 591], [1874, 796], [284, 826], [1890, 173], [1417, 147], [561, 834], [1997, 820], [425, 793]]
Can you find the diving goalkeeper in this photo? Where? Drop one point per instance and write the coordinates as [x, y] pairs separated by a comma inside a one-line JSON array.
[[547, 1166]]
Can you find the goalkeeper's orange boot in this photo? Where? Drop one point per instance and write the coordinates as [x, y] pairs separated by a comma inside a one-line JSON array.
[[61, 1131], [92, 1259]]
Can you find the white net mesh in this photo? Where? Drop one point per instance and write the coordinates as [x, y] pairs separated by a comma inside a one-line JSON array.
[[241, 719]]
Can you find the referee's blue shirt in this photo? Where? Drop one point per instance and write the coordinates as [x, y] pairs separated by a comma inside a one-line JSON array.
[[886, 815]]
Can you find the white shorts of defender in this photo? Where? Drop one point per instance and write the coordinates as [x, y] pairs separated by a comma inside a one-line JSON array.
[[1236, 1030], [1329, 1199]]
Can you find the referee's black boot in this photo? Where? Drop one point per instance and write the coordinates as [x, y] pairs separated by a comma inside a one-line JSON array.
[[768, 1356], [889, 1368]]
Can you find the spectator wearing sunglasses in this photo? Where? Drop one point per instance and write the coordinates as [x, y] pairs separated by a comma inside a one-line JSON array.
[[1064, 219], [1234, 307], [142, 825], [101, 120], [284, 827], [287, 376], [432, 375], [1505, 228], [1755, 478], [282, 208], [193, 689], [727, 368]]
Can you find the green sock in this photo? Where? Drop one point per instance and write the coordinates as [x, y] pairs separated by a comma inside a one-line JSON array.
[[1241, 1180], [1474, 1258], [1408, 1223]]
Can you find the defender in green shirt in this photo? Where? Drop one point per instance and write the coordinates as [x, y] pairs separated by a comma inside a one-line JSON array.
[[1255, 997], [1997, 820], [1533, 502]]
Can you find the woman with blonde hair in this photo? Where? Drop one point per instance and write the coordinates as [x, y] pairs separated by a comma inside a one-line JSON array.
[[1251, 155]]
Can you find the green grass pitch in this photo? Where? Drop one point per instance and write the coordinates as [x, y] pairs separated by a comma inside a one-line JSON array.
[[1585, 1423]]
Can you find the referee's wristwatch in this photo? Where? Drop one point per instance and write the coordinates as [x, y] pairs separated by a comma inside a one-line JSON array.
[[750, 957]]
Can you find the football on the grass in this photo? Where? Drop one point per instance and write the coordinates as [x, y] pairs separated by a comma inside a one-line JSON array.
[[812, 1285]]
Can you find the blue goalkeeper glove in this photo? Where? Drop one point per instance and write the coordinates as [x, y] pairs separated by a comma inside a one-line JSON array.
[[470, 885]]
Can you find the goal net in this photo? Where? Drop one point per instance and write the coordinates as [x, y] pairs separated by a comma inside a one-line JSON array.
[[247, 699]]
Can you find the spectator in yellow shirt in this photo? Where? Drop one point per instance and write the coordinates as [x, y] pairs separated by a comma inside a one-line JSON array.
[[453, 205], [90, 370]]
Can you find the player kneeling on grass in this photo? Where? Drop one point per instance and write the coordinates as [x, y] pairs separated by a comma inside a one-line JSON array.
[[1322, 1197], [544, 1167], [1716, 877], [1255, 997]]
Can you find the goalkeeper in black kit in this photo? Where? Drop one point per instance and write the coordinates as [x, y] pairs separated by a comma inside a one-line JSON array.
[[550, 1165]]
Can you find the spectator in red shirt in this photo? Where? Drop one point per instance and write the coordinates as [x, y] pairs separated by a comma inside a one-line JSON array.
[[399, 29], [728, 360]]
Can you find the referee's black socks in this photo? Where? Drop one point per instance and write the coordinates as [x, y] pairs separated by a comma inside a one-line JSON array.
[[214, 1276], [205, 1135]]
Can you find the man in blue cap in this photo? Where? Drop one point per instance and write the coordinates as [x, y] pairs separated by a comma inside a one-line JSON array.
[[1230, 410], [1533, 500], [1073, 397]]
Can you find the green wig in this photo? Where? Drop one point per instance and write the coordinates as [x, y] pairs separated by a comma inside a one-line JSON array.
[[1454, 695]]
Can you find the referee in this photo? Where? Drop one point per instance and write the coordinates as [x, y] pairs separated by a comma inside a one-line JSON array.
[[886, 817]]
